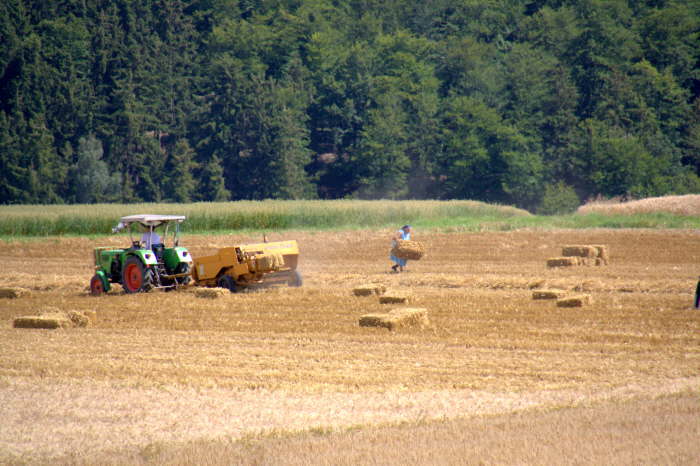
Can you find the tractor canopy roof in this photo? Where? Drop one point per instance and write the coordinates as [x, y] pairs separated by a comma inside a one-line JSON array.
[[147, 220]]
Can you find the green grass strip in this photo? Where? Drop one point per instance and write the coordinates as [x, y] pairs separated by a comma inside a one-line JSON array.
[[253, 216]]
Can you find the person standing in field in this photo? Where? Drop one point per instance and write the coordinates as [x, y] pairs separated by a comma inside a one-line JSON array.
[[403, 234]]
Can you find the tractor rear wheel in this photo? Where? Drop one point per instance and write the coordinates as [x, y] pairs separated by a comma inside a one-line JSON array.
[[135, 276], [97, 288], [227, 281]]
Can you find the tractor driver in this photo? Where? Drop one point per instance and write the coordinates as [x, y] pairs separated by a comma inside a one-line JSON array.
[[150, 238]]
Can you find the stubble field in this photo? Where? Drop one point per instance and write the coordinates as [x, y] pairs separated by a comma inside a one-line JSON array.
[[161, 377]]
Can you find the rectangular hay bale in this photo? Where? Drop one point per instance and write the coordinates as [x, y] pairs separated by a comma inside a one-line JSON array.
[[548, 294], [562, 261], [268, 262], [369, 289], [407, 249], [13, 292], [373, 320], [579, 251], [603, 255], [394, 298], [397, 318], [574, 301], [46, 321]]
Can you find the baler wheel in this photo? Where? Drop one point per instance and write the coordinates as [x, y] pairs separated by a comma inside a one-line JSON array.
[[295, 278], [227, 281]]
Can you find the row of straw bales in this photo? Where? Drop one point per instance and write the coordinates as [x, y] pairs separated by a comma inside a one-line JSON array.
[[589, 254], [395, 318], [562, 299]]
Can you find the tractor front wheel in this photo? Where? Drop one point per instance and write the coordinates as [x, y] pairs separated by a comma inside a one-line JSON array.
[[97, 288], [227, 281], [183, 267], [135, 276]]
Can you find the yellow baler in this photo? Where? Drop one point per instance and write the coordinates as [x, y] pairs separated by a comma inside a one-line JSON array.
[[239, 266]]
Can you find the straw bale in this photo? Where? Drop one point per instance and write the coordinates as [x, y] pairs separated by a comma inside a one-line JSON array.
[[579, 251], [562, 261], [373, 320], [78, 319], [46, 321], [270, 261], [394, 297], [211, 293], [369, 289], [574, 301], [548, 294], [397, 318], [406, 249], [603, 254], [14, 292]]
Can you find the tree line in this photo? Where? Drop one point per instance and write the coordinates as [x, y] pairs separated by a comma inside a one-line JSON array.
[[537, 103]]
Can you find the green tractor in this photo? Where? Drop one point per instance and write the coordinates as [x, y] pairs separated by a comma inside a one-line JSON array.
[[148, 263]]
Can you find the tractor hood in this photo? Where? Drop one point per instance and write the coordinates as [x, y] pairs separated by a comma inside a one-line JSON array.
[[147, 220]]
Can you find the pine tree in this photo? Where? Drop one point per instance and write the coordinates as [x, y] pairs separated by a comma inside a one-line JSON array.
[[211, 182], [180, 184]]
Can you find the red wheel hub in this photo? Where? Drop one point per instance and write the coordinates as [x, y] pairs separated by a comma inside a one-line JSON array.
[[96, 286], [134, 278]]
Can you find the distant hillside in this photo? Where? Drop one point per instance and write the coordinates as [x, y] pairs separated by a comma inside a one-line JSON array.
[[680, 205], [518, 102]]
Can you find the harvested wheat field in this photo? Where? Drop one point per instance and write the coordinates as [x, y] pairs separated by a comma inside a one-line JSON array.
[[171, 378]]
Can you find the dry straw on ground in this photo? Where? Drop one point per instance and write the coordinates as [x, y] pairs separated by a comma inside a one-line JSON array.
[[369, 289], [574, 301], [681, 205], [487, 338], [211, 293], [14, 292], [548, 294], [406, 249], [397, 318]]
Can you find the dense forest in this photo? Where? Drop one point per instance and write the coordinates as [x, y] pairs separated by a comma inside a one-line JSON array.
[[538, 103]]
